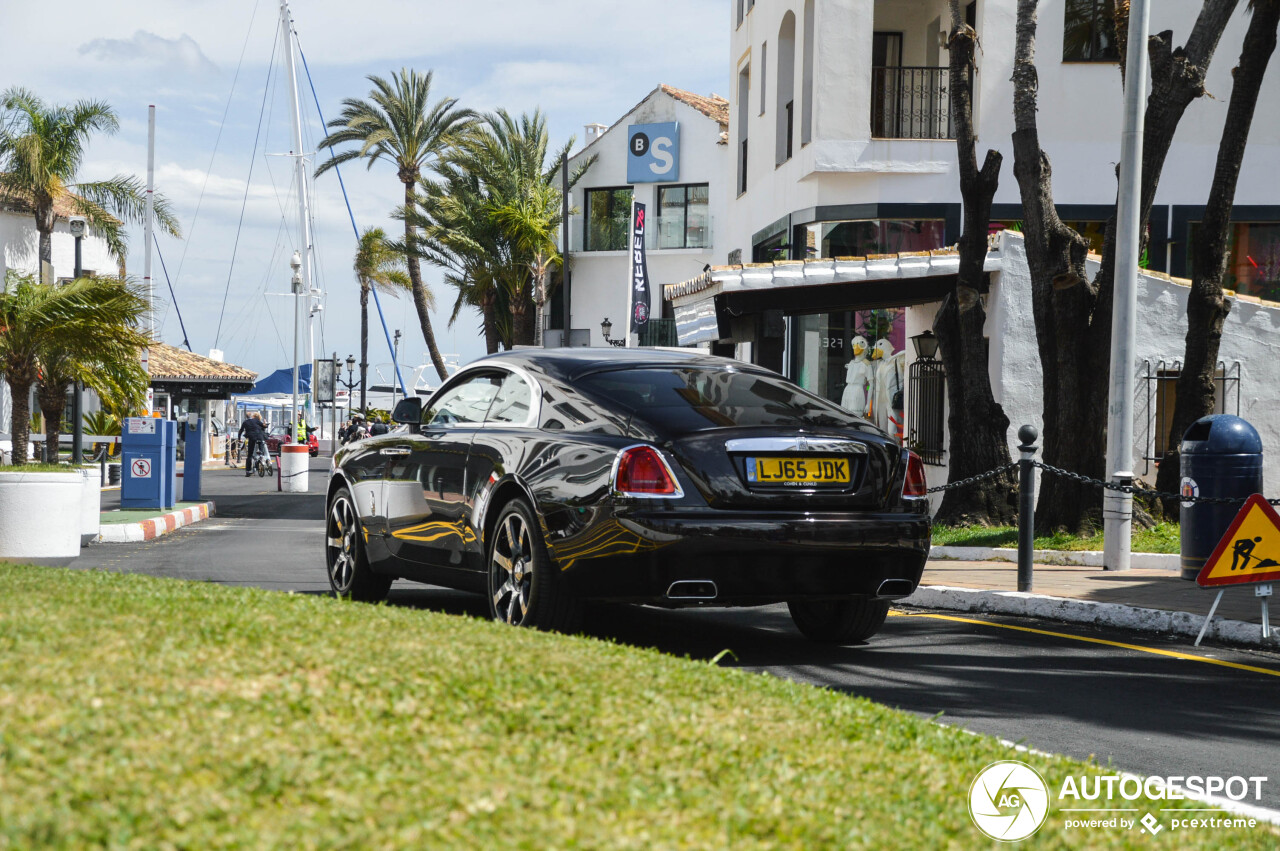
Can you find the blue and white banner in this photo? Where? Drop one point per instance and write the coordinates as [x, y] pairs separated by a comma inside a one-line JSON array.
[[639, 270], [653, 153]]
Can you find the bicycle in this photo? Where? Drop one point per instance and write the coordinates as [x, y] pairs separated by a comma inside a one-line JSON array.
[[262, 460]]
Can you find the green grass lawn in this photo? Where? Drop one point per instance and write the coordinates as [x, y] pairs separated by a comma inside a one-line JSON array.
[[148, 713], [1161, 538]]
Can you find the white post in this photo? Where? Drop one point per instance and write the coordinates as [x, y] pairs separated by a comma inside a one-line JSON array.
[[304, 216], [1117, 508], [151, 211], [295, 285]]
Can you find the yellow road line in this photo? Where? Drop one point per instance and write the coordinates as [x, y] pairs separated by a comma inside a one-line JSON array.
[[1190, 657]]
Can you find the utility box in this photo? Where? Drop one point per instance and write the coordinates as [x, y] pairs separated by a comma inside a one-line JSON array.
[[1221, 457], [143, 473]]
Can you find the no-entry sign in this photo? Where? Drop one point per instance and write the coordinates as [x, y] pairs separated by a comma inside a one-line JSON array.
[[140, 468]]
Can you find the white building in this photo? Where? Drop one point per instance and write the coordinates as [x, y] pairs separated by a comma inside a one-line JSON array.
[[846, 190], [681, 175], [20, 251]]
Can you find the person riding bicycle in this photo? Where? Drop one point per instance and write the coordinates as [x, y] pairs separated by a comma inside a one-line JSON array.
[[253, 429]]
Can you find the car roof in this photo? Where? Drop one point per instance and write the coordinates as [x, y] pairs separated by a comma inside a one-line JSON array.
[[571, 363]]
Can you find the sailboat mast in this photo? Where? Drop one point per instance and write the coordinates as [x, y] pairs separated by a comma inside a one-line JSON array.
[[304, 214]]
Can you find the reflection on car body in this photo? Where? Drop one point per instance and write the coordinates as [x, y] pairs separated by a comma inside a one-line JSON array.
[[548, 478]]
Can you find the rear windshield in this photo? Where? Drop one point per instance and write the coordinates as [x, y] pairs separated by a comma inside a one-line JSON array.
[[690, 398]]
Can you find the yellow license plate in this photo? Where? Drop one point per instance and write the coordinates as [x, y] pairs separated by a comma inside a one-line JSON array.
[[798, 471]]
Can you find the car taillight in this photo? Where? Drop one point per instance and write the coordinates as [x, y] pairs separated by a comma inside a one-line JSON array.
[[914, 484], [641, 472]]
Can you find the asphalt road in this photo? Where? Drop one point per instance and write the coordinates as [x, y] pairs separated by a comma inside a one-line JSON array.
[[1133, 709]]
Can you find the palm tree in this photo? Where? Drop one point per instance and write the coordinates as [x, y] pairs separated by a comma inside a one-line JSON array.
[[491, 220], [86, 330], [42, 148], [400, 124], [377, 264]]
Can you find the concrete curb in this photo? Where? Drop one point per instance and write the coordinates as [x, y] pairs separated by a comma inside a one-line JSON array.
[[1182, 624], [1078, 558], [145, 530]]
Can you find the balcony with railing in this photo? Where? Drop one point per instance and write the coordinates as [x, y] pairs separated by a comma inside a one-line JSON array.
[[911, 102]]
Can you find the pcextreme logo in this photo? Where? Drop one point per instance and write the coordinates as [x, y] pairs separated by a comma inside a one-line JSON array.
[[1008, 800]]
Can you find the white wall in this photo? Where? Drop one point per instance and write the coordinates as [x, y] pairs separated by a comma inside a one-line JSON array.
[[20, 248], [600, 283], [1080, 115], [1250, 335]]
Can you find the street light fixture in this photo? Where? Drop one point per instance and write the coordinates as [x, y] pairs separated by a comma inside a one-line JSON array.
[[926, 345], [350, 383], [605, 327], [78, 225]]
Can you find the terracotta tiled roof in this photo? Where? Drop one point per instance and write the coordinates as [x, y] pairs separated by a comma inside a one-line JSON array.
[[169, 363], [61, 206], [712, 106]]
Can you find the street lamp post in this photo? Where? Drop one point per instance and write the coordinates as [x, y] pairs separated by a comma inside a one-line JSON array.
[[295, 263], [77, 418], [350, 383]]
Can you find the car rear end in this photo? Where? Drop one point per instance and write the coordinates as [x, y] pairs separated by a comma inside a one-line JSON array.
[[743, 489]]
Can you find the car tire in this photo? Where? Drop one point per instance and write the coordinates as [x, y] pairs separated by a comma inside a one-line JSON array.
[[839, 621], [349, 572], [525, 588]]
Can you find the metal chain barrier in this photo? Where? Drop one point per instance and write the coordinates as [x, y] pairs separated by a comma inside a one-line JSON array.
[[981, 477], [1137, 490]]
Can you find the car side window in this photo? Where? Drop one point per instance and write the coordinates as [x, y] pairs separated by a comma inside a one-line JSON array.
[[511, 405], [465, 403]]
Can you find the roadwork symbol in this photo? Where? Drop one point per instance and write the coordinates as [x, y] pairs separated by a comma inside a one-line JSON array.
[[1250, 551], [140, 468]]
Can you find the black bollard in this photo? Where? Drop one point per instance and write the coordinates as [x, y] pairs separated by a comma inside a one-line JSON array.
[[1027, 504]]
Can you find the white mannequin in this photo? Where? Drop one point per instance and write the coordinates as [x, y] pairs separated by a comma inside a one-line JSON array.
[[888, 382], [857, 377]]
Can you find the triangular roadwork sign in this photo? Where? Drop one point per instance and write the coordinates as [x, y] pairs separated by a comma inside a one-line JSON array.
[[1250, 551]]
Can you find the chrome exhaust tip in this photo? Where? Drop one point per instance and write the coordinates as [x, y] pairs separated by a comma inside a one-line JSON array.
[[895, 589], [692, 589]]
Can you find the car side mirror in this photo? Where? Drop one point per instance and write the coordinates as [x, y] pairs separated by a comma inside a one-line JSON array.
[[408, 411]]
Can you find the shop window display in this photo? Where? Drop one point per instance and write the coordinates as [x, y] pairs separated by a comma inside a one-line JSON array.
[[1253, 258], [855, 359]]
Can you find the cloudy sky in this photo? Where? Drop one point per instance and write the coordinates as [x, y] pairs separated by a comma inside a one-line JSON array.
[[580, 61]]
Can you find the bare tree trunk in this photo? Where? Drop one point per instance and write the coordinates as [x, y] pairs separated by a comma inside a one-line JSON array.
[[20, 383], [364, 343], [415, 278], [1207, 305], [977, 424], [1073, 315], [44, 226]]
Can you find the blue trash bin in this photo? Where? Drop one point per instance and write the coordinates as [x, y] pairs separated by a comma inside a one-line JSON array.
[[1221, 457]]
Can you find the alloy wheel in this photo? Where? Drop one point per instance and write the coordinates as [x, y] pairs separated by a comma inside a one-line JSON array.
[[511, 570], [341, 544]]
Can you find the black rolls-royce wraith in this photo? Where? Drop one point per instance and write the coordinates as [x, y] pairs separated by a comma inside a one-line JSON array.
[[547, 478]]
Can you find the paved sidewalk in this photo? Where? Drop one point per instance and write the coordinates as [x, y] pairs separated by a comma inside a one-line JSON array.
[[1147, 600]]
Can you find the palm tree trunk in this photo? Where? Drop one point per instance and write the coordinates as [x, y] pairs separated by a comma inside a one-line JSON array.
[[44, 226], [20, 416], [492, 339], [364, 341], [53, 404], [419, 289]]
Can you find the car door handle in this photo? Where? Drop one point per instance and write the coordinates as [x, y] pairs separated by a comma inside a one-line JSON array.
[[394, 450]]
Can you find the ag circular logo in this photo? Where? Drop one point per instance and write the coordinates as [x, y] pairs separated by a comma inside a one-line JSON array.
[[639, 145], [1008, 800]]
